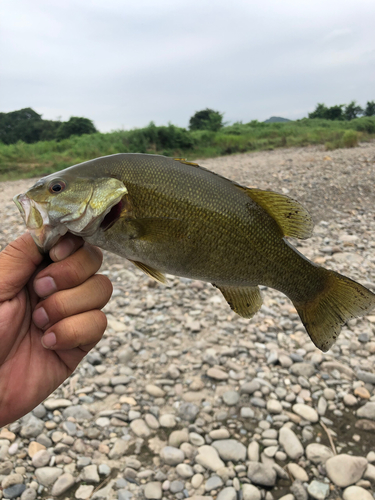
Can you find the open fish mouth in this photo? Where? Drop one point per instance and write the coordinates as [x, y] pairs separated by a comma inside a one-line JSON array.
[[38, 222]]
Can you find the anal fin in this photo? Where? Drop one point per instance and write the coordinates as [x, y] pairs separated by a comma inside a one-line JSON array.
[[151, 272], [243, 300]]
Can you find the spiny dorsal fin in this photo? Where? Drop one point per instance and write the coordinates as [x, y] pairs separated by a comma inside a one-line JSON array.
[[151, 272], [185, 162], [291, 217], [243, 300]]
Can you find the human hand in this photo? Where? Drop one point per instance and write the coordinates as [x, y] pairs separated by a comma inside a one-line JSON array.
[[49, 318]]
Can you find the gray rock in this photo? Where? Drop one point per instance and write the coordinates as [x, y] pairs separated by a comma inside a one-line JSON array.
[[250, 387], [250, 492], [90, 474], [63, 484], [318, 453], [302, 369], [153, 490], [171, 455], [261, 474], [367, 377], [344, 470], [213, 483], [185, 471], [318, 490], [230, 449], [306, 412], [367, 411], [124, 494], [247, 412], [231, 398], [6, 468], [274, 406], [356, 493], [29, 494], [298, 491], [290, 442], [41, 458], [14, 491], [209, 458], [32, 426], [188, 411], [140, 428], [84, 492], [167, 420], [196, 439], [176, 486], [119, 448], [53, 404], [47, 475], [253, 451], [78, 412], [228, 493], [258, 402]]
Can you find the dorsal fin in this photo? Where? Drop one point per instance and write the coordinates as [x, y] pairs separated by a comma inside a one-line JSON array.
[[291, 217]]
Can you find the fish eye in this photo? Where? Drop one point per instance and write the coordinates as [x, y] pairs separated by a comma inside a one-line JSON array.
[[56, 187]]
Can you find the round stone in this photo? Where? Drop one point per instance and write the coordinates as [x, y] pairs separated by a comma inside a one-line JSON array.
[[356, 493], [231, 398], [344, 470], [171, 455], [306, 412]]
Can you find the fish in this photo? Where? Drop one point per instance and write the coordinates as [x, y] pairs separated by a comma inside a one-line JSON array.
[[171, 216]]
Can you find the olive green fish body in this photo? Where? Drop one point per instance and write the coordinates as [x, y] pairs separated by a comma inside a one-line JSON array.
[[171, 216]]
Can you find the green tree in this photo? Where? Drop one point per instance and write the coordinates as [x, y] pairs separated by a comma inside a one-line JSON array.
[[352, 111], [332, 113], [207, 119], [22, 125], [370, 108], [319, 112], [76, 125]]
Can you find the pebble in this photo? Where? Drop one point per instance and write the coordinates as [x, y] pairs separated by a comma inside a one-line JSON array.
[[367, 411], [356, 493], [227, 494], [230, 449], [290, 442], [153, 490], [14, 491], [177, 368], [63, 484], [261, 474], [47, 475], [344, 470], [318, 453], [318, 490], [209, 458], [171, 455], [250, 492], [306, 412]]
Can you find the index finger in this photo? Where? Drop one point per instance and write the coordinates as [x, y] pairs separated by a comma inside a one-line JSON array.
[[69, 272]]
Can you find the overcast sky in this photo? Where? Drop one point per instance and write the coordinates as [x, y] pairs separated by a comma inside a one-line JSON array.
[[123, 63]]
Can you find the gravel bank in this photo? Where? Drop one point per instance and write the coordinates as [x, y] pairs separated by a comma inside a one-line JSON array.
[[184, 399]]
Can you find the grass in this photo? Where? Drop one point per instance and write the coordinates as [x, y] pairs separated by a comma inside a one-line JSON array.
[[23, 160]]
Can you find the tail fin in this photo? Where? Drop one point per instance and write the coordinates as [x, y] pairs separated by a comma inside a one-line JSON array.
[[342, 299]]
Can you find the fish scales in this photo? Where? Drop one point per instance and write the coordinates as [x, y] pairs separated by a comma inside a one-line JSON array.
[[171, 216]]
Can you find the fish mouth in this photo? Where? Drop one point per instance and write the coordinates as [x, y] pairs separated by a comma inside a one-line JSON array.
[[37, 221]]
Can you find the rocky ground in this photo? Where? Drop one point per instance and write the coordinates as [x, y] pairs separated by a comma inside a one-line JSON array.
[[184, 399]]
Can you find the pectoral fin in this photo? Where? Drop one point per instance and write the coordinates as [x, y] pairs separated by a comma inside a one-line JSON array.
[[245, 301], [151, 272], [291, 217]]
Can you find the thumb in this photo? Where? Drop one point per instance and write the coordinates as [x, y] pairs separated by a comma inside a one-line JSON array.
[[18, 262]]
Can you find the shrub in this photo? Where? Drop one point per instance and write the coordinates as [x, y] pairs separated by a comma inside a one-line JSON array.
[[207, 119], [350, 138]]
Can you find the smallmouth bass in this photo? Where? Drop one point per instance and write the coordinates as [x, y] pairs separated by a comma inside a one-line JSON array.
[[171, 216]]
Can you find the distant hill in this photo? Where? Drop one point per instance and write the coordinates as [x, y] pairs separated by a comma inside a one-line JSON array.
[[275, 119]]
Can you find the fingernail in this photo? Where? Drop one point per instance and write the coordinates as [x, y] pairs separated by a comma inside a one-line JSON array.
[[49, 340], [63, 249], [40, 317], [45, 286]]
